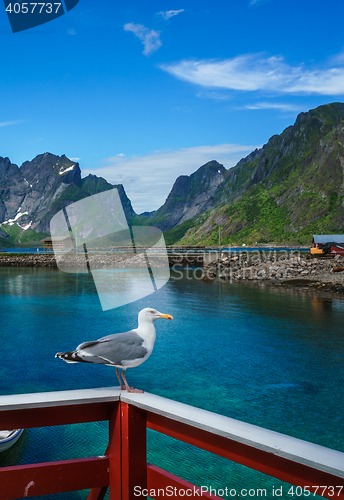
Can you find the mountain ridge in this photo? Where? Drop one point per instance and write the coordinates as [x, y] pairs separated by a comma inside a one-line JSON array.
[[283, 192], [291, 188], [31, 194], [186, 199]]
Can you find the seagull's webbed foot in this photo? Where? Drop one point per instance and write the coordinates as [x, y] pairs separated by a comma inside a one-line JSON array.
[[129, 389], [132, 389]]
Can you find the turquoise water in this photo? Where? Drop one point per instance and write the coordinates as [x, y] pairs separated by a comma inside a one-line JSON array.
[[271, 357]]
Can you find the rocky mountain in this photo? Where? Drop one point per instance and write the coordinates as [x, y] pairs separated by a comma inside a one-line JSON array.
[[286, 191], [190, 196], [32, 194]]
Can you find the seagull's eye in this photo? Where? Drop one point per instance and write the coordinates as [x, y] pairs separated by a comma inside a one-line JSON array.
[[151, 312]]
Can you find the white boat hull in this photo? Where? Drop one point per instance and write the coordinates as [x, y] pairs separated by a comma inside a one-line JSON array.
[[9, 438]]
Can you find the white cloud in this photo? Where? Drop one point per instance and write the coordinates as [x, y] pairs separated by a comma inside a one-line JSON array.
[[258, 3], [148, 179], [274, 105], [71, 32], [337, 59], [14, 122], [253, 72], [36, 140], [75, 159], [149, 38], [213, 94], [169, 13], [254, 2]]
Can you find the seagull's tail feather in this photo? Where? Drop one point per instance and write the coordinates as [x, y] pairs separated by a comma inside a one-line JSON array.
[[70, 357], [82, 357]]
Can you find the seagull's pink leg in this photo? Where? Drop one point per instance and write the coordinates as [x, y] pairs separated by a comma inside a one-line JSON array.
[[120, 381], [129, 389]]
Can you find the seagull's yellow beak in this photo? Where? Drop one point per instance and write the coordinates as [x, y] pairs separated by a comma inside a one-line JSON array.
[[167, 316]]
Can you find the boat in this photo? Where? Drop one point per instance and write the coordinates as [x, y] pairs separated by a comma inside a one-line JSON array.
[[8, 438]]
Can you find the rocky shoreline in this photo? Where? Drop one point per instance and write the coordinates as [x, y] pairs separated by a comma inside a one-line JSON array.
[[293, 269], [78, 262], [27, 260]]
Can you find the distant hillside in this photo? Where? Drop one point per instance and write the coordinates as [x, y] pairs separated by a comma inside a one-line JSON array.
[[282, 193], [286, 191], [190, 196], [32, 194]]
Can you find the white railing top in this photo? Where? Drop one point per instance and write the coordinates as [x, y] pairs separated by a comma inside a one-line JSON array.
[[296, 450], [58, 398]]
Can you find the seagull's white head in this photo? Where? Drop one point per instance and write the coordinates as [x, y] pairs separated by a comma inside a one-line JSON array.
[[148, 315]]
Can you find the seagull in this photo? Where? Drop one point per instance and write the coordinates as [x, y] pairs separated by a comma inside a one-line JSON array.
[[122, 350]]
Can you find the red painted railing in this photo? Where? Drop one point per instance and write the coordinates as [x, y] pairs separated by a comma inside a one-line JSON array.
[[124, 466]]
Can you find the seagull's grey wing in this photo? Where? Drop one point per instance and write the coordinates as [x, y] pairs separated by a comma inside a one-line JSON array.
[[113, 349], [117, 335], [113, 336]]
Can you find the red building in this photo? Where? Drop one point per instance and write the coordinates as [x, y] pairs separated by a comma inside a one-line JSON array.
[[328, 244]]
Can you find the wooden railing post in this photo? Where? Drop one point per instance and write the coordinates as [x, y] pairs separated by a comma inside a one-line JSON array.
[[127, 453], [97, 493], [115, 451], [100, 492], [134, 451]]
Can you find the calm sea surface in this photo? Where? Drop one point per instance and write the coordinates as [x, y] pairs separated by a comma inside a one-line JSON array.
[[270, 357]]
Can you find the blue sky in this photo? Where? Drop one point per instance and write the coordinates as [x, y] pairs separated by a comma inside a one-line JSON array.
[[141, 92]]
